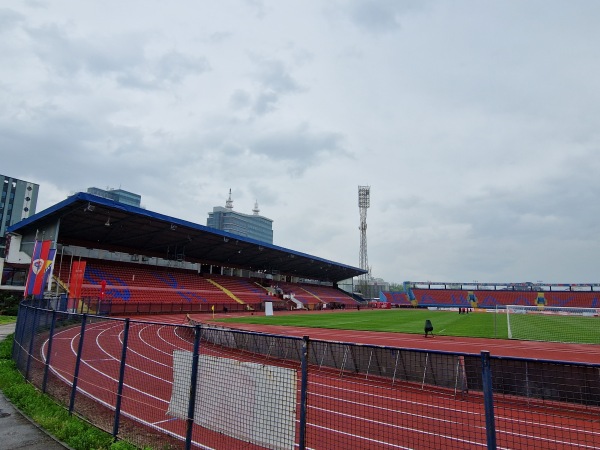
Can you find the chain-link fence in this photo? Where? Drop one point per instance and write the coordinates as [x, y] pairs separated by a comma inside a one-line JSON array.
[[184, 385]]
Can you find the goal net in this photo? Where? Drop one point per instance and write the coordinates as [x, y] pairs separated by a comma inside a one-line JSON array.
[[553, 324]]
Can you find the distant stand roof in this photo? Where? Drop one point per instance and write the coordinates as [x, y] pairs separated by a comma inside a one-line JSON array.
[[88, 220]]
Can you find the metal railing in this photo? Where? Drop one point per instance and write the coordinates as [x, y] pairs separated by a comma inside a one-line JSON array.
[[187, 385]]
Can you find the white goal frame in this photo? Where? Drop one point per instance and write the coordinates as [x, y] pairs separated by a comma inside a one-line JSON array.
[[512, 310]]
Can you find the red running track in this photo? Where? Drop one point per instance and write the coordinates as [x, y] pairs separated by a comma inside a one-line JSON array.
[[345, 413]]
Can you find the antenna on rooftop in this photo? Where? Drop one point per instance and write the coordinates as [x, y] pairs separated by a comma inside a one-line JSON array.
[[256, 210], [229, 202]]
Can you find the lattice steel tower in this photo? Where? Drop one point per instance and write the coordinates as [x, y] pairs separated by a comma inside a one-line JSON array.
[[363, 203]]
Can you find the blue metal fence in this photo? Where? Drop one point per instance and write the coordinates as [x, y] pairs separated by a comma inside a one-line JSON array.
[[186, 385]]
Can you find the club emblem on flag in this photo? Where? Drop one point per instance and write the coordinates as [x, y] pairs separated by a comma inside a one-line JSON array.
[[37, 266]]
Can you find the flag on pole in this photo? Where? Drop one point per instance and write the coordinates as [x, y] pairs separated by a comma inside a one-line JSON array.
[[40, 268], [76, 284], [76, 279]]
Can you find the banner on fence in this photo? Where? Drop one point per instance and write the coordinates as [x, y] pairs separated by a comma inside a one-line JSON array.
[[40, 268], [248, 401]]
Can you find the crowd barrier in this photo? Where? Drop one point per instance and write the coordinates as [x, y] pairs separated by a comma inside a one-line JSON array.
[[189, 385]]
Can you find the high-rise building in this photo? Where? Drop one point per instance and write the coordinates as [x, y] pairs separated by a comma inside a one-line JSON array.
[[17, 202], [252, 225], [117, 195]]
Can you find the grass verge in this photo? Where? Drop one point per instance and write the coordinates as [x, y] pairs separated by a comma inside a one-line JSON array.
[[7, 319], [52, 417]]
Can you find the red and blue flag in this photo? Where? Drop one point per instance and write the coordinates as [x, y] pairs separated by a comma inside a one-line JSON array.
[[40, 269]]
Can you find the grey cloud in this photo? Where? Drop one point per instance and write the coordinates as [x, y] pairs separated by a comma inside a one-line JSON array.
[[240, 99], [375, 16], [274, 81], [9, 19], [219, 37], [265, 102], [559, 207], [174, 66], [273, 75], [257, 7], [264, 193], [379, 16], [231, 149], [120, 57], [301, 146], [67, 55], [76, 149], [136, 81]]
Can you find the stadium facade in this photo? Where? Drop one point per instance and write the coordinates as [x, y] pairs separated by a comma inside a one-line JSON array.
[[253, 226], [17, 202]]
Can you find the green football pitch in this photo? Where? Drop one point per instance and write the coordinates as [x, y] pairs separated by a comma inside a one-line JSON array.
[[446, 323]]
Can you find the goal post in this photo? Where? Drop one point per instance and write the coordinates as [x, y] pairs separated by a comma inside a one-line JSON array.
[[553, 324]]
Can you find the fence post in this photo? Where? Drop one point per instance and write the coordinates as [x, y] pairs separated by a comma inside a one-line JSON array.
[[193, 383], [303, 392], [121, 378], [49, 351], [488, 400], [32, 337], [77, 364]]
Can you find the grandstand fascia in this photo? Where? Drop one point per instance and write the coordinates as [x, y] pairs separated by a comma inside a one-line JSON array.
[[88, 222]]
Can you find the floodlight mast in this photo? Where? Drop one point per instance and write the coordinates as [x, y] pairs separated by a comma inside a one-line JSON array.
[[364, 202]]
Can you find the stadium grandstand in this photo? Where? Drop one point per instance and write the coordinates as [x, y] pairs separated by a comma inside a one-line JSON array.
[[116, 258], [493, 295]]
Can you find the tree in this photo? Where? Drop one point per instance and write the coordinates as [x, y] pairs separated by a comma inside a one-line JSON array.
[[395, 287], [9, 303]]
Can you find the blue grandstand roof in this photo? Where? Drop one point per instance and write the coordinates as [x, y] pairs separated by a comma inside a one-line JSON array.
[[82, 220]]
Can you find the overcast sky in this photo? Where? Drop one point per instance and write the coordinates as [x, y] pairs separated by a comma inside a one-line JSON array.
[[476, 124]]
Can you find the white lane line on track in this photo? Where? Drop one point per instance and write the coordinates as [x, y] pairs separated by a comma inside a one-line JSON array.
[[154, 361], [356, 436], [410, 402], [116, 380], [165, 421], [398, 427], [170, 327], [107, 405], [556, 442], [94, 369], [507, 419], [119, 335], [400, 412]]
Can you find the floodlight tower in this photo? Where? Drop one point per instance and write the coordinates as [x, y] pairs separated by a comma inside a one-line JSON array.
[[363, 203]]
